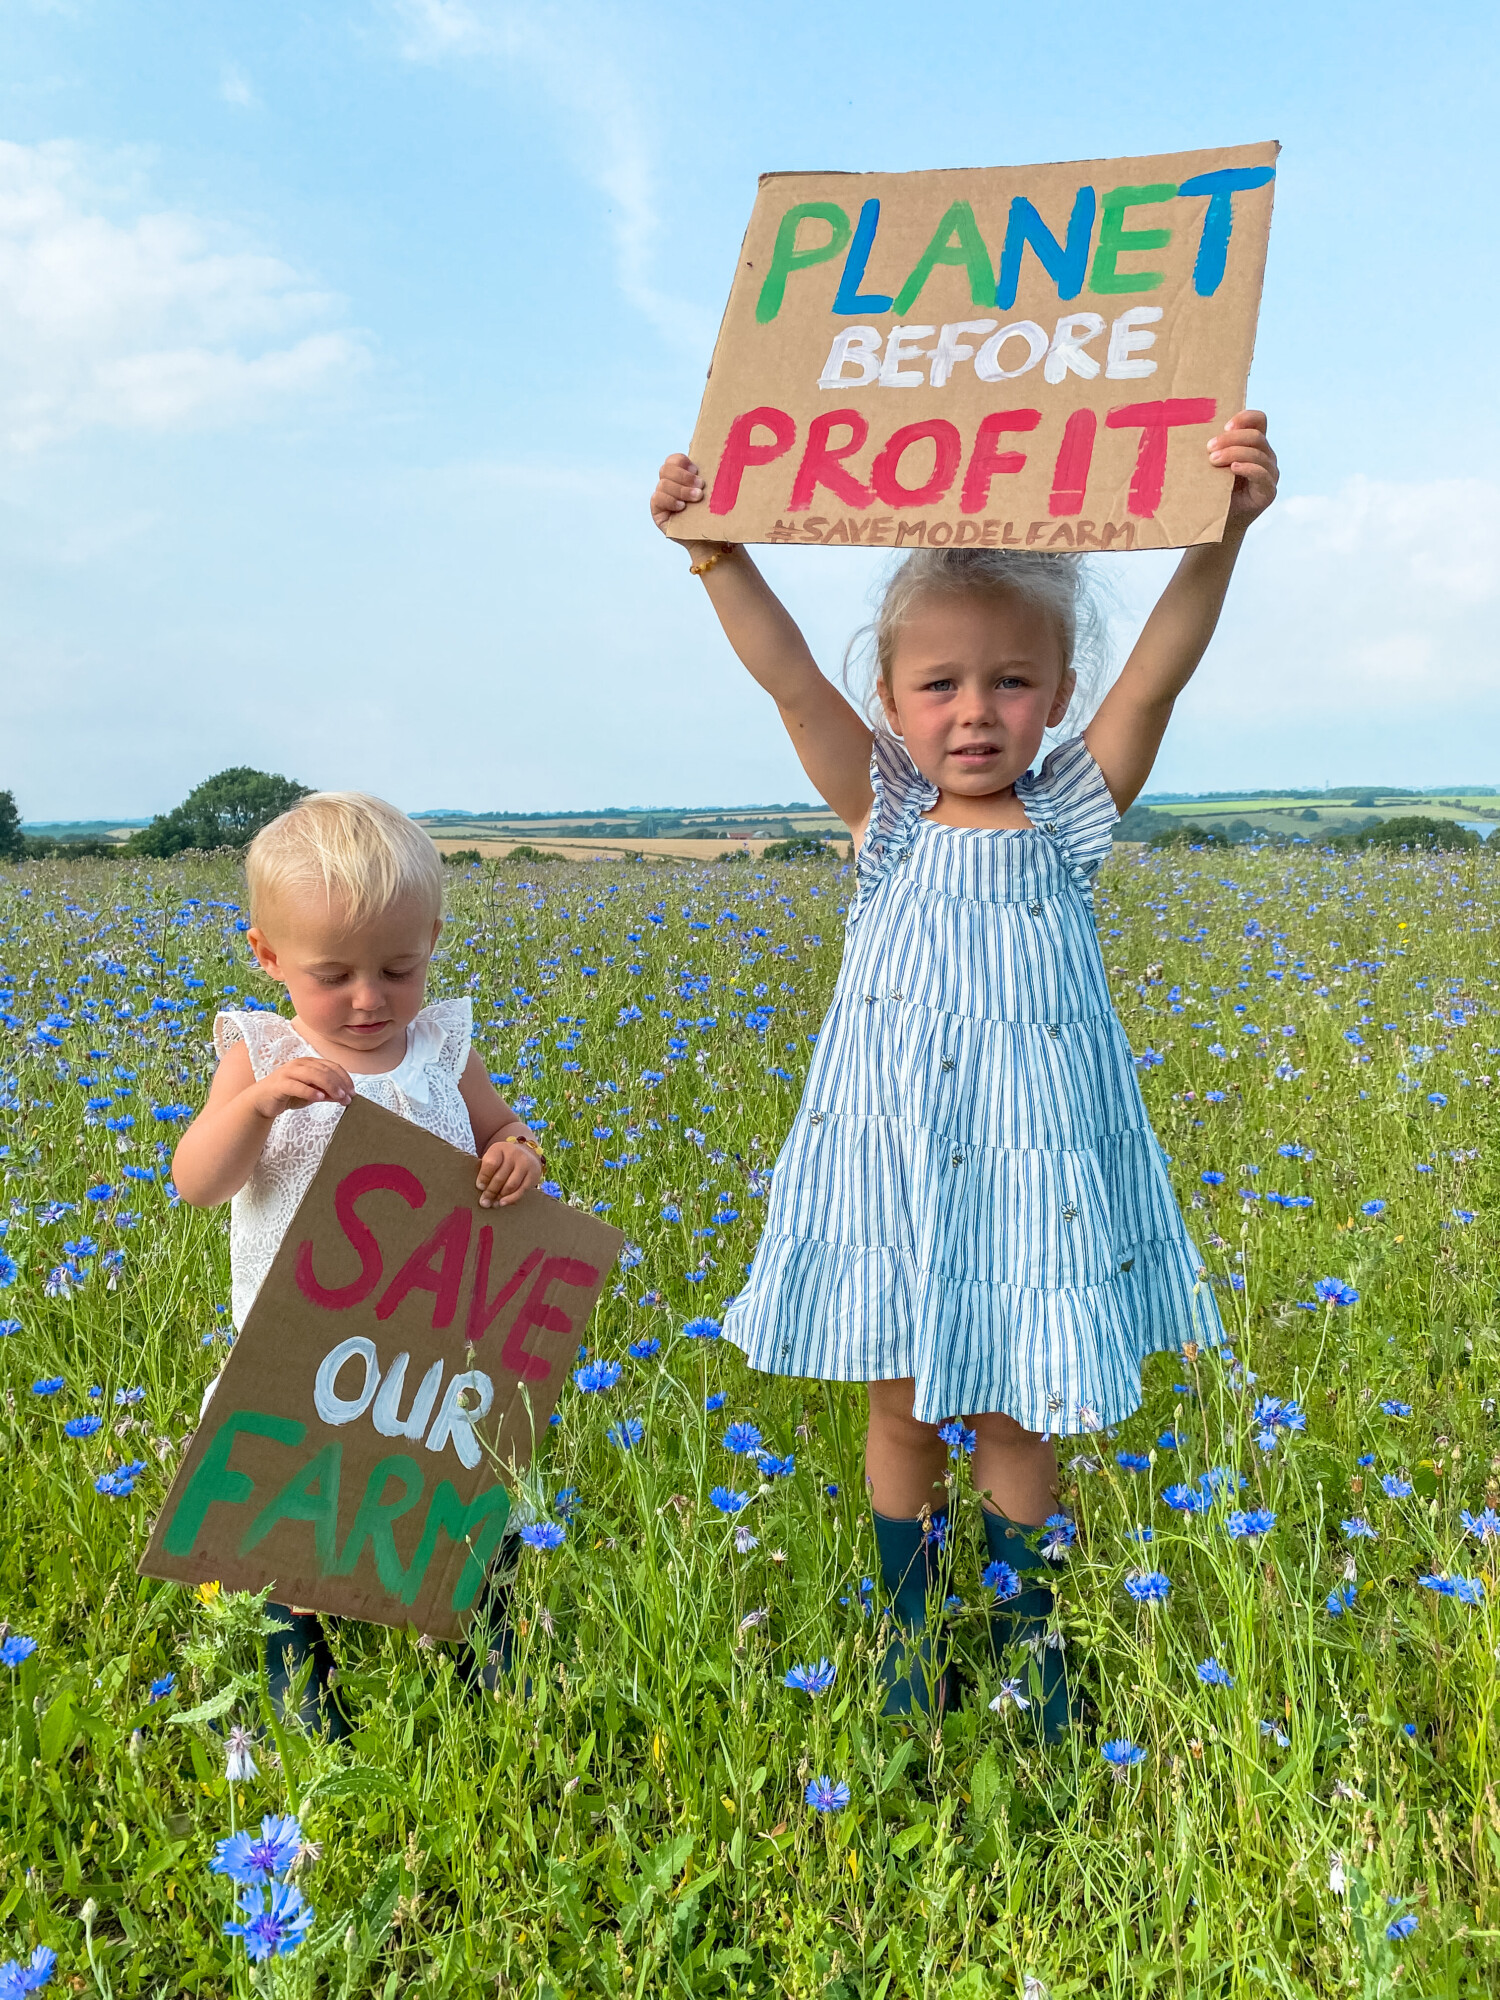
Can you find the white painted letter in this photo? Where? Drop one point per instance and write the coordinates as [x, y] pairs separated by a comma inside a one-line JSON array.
[[329, 1404], [1066, 351], [950, 348], [454, 1421], [987, 362], [1125, 341], [859, 344], [901, 346], [387, 1415]]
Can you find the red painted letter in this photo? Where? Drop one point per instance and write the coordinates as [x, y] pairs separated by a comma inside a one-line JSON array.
[[739, 452], [948, 446], [985, 461], [399, 1180], [537, 1311], [434, 1266], [482, 1308], [820, 465], [1070, 476], [1154, 420]]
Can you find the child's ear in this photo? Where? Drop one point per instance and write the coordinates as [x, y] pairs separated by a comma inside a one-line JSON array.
[[265, 954], [1064, 695], [888, 708]]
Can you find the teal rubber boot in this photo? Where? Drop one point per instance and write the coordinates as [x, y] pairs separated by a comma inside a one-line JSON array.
[[300, 1643], [1023, 1617], [913, 1564]]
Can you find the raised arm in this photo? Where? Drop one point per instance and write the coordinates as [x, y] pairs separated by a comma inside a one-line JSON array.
[[831, 741], [1126, 734]]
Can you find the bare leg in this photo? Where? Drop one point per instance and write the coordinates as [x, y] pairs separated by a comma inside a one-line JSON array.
[[904, 1461], [1014, 1467]]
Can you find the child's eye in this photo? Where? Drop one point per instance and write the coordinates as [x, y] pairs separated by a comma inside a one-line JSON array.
[[332, 978], [936, 687], [407, 974]]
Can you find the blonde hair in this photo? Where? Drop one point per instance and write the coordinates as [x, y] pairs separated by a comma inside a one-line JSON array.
[[353, 846], [1059, 586]]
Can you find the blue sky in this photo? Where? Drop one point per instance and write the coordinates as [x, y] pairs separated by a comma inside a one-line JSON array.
[[339, 345]]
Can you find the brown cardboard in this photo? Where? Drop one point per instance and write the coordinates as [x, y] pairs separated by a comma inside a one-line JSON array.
[[391, 1248], [1016, 462]]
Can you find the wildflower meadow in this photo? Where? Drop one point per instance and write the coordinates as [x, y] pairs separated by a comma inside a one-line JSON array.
[[1278, 1581]]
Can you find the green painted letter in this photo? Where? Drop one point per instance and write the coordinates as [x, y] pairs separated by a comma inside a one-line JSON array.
[[215, 1482], [372, 1523], [481, 1524], [969, 249], [1113, 239], [309, 1495], [786, 257]]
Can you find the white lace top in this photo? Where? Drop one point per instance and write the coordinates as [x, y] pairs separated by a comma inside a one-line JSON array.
[[423, 1087]]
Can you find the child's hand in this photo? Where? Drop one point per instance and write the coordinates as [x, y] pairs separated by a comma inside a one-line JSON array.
[[507, 1171], [1241, 448], [678, 484], [295, 1085]]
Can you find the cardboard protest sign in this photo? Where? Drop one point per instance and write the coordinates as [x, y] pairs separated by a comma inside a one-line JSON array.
[[405, 1345], [1017, 357]]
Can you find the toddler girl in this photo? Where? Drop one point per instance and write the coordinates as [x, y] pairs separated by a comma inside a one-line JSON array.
[[346, 898], [971, 1213]]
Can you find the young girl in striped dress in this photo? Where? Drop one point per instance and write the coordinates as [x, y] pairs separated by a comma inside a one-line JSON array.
[[971, 1214]]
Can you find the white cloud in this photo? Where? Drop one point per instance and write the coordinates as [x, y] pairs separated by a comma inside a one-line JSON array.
[[116, 315], [1359, 631], [236, 88], [606, 127]]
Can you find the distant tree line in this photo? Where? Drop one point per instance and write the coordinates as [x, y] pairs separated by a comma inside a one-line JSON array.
[[227, 810]]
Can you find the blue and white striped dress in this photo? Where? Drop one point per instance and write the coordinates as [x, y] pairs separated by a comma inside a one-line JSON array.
[[971, 1193]]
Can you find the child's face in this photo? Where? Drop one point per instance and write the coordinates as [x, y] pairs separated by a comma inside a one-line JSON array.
[[974, 682], [356, 988]]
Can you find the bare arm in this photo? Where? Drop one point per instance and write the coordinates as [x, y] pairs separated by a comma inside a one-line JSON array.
[[831, 741], [1126, 734], [217, 1153], [507, 1165]]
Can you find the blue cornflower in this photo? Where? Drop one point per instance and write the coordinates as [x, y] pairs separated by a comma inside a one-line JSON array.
[[1365, 1458], [671, 1212], [1436, 1097], [1213, 1675], [1212, 1179], [716, 1401], [1441, 1584], [15, 1648], [160, 1689], [276, 1929], [1273, 1729], [1121, 1754], [1185, 1499], [1334, 1292], [1220, 1477], [252, 1860], [1395, 1487], [1167, 1441], [824, 1796], [1391, 1408], [1357, 1528], [743, 1439], [1148, 1586], [1483, 1527], [1402, 1926], [10, 1270], [1272, 1413], [1468, 1589], [17, 1979], [642, 1350], [1372, 1208], [596, 1376], [544, 1535], [565, 1502], [727, 1500], [1059, 1536], [47, 1386], [81, 1427], [957, 1439], [1341, 1600], [9, 1326], [702, 1329], [812, 1680], [1132, 1461], [1002, 1580], [627, 1434], [772, 1467], [1250, 1525]]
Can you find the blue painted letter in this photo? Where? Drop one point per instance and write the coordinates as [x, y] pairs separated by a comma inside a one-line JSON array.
[[1218, 220], [849, 300], [1064, 263]]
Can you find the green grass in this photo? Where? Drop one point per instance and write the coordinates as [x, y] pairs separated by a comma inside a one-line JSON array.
[[634, 1823]]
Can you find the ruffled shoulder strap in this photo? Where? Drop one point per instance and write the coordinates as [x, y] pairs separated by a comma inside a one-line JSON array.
[[902, 795], [1069, 799], [270, 1038], [442, 1033]]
